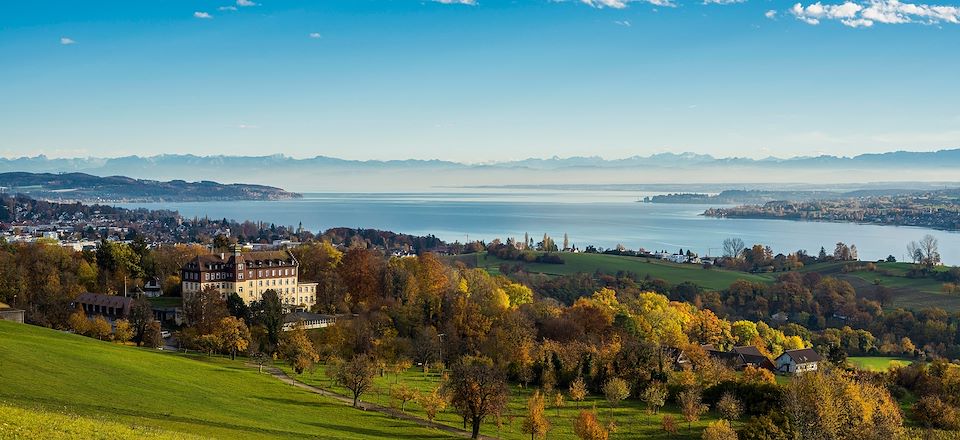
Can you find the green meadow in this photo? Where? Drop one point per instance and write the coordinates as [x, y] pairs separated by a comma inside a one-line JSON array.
[[714, 279], [630, 416], [878, 363], [48, 375]]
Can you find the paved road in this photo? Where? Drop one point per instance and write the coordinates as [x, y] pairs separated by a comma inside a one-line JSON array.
[[367, 406]]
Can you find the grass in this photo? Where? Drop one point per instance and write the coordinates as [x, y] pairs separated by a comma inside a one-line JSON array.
[[878, 363], [631, 416], [908, 293], [714, 279], [46, 371], [39, 424]]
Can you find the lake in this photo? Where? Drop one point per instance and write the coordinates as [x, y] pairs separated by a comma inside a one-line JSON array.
[[600, 218]]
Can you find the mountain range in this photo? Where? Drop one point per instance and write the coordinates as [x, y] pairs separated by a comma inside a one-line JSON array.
[[324, 173]]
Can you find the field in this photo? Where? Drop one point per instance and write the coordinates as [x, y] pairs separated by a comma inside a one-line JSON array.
[[49, 373], [37, 424], [878, 363], [909, 293], [631, 416], [715, 279]]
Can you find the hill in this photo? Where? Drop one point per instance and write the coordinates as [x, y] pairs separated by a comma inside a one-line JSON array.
[[84, 187], [44, 371]]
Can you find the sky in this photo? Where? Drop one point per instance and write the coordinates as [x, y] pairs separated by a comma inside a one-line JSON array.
[[477, 80]]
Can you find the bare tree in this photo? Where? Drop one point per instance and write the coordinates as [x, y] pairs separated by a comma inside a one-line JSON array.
[[733, 247], [930, 248]]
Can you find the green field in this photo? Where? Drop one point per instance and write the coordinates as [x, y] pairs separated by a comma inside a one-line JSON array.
[[714, 279], [878, 363], [47, 371], [631, 416], [909, 293], [38, 424]]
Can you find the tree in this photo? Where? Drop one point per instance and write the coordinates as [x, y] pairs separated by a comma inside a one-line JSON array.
[[268, 312], [403, 394], [153, 335], [123, 331], [834, 405], [558, 401], [237, 307], [931, 412], [536, 423], [233, 335], [729, 406], [668, 424], [757, 375], [929, 247], [357, 375], [100, 328], [615, 390], [432, 403], [733, 247], [477, 389], [141, 315], [578, 390], [260, 358], [78, 322], [691, 405], [400, 366], [655, 396], [719, 430], [297, 349], [587, 427]]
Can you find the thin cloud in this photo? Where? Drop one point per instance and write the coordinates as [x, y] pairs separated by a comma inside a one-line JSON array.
[[203, 15], [245, 3], [622, 4], [722, 2], [771, 14], [867, 13], [457, 2], [67, 41], [624, 23], [227, 8], [315, 35]]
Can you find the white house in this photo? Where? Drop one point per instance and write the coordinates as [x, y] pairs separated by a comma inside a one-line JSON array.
[[798, 361]]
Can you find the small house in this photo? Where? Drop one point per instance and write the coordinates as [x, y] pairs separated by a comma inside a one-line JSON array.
[[798, 361]]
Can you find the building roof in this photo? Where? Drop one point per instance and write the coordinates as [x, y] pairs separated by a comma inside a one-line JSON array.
[[748, 350], [251, 259], [803, 355], [117, 302]]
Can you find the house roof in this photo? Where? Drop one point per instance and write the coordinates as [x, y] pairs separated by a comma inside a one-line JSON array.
[[748, 350], [803, 355], [118, 302], [252, 259]]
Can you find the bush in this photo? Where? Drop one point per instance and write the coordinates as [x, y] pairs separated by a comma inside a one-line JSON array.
[[931, 412]]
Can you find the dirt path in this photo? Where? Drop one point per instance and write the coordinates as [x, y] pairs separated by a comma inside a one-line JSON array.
[[366, 406]]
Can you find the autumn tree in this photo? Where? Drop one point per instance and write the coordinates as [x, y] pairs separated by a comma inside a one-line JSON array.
[[78, 322], [476, 389], [99, 328], [403, 394], [297, 349], [123, 331], [233, 335], [587, 427], [357, 375], [432, 403], [729, 406], [719, 430], [578, 390], [668, 424], [615, 390], [757, 375], [691, 405], [535, 423], [558, 401], [833, 405], [655, 396]]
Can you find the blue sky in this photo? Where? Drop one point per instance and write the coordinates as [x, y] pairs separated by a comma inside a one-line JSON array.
[[487, 81]]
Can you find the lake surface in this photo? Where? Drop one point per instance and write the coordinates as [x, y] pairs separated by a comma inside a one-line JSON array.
[[600, 218]]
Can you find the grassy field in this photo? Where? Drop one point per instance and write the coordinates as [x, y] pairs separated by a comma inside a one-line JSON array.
[[39, 424], [631, 416], [48, 371], [674, 273], [878, 363], [909, 293]]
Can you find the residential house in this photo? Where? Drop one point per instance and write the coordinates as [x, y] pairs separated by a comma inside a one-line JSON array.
[[111, 307], [798, 361]]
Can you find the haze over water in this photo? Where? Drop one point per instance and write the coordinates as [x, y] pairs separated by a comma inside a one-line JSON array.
[[600, 218]]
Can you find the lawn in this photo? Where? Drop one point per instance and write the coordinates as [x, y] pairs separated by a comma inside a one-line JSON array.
[[47, 371], [878, 363], [631, 416], [714, 279]]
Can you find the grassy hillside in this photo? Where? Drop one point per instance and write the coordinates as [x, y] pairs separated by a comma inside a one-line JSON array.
[[632, 419], [878, 363], [590, 263], [909, 293], [46, 370], [38, 424]]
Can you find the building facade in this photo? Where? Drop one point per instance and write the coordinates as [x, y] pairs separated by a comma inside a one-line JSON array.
[[249, 275], [798, 361]]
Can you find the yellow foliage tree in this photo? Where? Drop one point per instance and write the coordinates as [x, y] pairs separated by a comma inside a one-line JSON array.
[[536, 423]]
